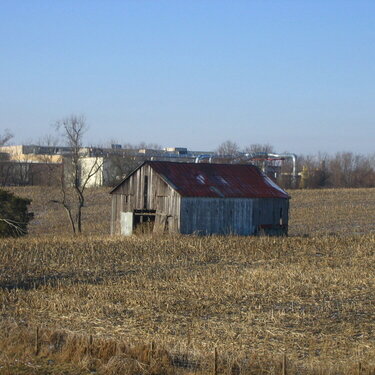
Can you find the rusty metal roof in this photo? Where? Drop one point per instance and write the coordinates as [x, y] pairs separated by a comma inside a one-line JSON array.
[[217, 180]]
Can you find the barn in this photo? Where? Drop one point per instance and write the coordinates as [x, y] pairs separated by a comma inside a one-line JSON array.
[[199, 198]]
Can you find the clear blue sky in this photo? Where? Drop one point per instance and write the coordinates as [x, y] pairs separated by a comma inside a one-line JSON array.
[[299, 75]]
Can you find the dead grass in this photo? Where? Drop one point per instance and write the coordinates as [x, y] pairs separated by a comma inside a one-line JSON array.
[[332, 212], [313, 212], [310, 296]]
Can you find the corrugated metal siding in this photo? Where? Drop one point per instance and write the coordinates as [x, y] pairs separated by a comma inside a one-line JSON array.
[[217, 216], [268, 211], [230, 215], [217, 180]]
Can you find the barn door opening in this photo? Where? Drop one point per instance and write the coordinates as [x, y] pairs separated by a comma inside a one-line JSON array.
[[137, 222], [144, 221]]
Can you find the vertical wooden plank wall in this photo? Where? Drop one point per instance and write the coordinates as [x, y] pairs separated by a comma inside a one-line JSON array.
[[129, 196]]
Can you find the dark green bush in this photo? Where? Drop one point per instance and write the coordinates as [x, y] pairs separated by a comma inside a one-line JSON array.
[[14, 215]]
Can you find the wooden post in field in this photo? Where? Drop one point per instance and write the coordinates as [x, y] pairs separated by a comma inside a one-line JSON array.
[[215, 361], [90, 345], [37, 341], [151, 351], [284, 372], [359, 368]]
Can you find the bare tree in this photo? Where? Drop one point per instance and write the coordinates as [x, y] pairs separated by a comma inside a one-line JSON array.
[[120, 165], [49, 167], [6, 137], [48, 140], [151, 146], [73, 129], [5, 166], [228, 148], [351, 170], [144, 145], [257, 147], [122, 160]]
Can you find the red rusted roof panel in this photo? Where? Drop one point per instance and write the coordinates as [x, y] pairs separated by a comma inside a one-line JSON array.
[[217, 180]]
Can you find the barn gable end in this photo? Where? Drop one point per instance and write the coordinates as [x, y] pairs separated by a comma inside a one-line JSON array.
[[149, 197]]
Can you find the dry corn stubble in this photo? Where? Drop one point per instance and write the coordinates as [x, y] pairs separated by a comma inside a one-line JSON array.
[[310, 297], [252, 298]]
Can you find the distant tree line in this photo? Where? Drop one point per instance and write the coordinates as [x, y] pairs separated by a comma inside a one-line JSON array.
[[342, 170]]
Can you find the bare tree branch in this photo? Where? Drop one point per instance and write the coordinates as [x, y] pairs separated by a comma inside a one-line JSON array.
[[228, 148], [6, 137], [15, 225], [73, 129]]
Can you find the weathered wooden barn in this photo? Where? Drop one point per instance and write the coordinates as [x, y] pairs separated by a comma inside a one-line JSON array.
[[199, 198]]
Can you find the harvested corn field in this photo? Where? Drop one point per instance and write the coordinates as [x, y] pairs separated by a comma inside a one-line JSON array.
[[160, 305], [311, 298], [332, 212]]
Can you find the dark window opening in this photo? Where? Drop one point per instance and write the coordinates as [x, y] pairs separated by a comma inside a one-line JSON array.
[[145, 192]]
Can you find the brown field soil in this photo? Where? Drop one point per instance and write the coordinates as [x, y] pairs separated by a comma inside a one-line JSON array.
[[161, 305]]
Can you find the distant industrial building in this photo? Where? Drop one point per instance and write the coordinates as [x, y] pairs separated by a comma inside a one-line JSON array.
[[111, 165], [27, 165]]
